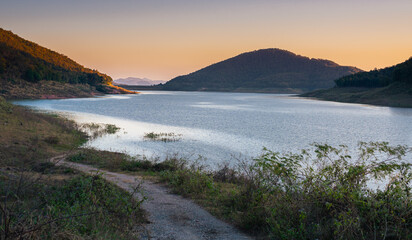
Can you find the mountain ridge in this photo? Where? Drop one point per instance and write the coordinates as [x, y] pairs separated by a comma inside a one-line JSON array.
[[24, 64]]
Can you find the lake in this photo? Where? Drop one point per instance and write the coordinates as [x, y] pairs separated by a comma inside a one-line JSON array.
[[228, 126]]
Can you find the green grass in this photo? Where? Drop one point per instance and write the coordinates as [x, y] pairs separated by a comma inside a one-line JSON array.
[[115, 161]]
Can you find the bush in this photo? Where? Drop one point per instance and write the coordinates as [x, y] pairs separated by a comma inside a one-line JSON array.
[[84, 206], [326, 194]]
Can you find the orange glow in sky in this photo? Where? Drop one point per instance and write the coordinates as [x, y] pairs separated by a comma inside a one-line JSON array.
[[161, 39]]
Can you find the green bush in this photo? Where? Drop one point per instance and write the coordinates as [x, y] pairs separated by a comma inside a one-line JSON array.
[[326, 194]]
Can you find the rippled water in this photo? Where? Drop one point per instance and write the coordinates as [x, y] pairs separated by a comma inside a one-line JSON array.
[[224, 126]]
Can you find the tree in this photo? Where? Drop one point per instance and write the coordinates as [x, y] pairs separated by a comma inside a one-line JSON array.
[[32, 75]]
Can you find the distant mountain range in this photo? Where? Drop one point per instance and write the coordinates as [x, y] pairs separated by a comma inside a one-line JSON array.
[[266, 70], [391, 86], [137, 81], [28, 70]]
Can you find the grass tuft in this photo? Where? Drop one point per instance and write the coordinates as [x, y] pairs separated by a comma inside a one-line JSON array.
[[163, 137]]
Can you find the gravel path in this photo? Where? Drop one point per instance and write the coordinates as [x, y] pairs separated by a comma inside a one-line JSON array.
[[170, 216]]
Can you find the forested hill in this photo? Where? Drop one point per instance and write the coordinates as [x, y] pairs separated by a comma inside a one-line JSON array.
[[271, 70], [379, 78], [28, 70], [391, 86], [22, 59]]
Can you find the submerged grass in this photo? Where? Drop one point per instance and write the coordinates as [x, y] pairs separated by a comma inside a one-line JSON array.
[[163, 137], [320, 193], [95, 130]]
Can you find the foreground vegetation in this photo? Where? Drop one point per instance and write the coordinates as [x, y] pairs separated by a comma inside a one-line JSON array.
[[39, 200], [323, 193]]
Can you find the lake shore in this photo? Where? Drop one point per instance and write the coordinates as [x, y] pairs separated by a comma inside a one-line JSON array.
[[395, 95]]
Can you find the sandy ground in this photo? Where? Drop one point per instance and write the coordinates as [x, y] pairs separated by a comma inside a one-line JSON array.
[[170, 216]]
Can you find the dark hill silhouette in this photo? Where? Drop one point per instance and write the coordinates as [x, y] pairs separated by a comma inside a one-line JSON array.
[[263, 70], [379, 78], [391, 86]]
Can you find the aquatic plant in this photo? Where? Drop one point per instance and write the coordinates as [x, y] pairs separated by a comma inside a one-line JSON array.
[[163, 137]]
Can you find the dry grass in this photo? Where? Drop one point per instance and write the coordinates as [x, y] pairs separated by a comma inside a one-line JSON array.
[[27, 136], [41, 201]]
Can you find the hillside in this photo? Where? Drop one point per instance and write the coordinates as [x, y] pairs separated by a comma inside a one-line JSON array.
[[391, 86], [266, 70], [24, 64]]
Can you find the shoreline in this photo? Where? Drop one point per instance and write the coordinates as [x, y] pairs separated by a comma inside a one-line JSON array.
[[394, 95]]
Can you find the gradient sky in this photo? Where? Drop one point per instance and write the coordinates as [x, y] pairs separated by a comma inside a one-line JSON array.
[[161, 39]]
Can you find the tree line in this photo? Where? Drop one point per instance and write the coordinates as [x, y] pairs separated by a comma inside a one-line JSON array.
[[379, 78]]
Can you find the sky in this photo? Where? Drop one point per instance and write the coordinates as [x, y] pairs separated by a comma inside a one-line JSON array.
[[161, 39]]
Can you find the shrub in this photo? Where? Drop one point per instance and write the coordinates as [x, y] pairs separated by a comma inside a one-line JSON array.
[[326, 193], [84, 206]]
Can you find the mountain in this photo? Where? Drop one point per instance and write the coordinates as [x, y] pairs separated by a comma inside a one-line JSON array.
[[391, 86], [137, 81], [266, 70], [28, 70]]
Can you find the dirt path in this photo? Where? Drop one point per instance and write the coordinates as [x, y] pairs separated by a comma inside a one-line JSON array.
[[170, 215]]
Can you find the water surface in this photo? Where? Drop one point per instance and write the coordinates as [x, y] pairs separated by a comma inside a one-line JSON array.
[[226, 126]]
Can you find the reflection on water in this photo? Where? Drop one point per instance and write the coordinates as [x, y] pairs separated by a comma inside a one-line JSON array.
[[223, 126]]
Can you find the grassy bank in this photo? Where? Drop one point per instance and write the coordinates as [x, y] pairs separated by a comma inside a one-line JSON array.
[[317, 194], [395, 95], [39, 200]]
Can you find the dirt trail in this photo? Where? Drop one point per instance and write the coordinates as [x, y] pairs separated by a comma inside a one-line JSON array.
[[170, 215]]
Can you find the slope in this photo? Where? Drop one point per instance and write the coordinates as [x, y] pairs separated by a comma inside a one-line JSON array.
[[391, 86], [272, 70], [24, 65]]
